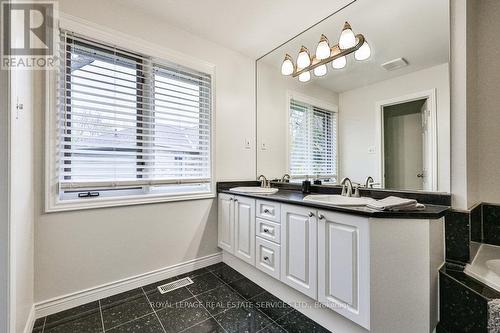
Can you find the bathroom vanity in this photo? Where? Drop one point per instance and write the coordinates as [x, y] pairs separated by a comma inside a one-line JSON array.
[[364, 265]]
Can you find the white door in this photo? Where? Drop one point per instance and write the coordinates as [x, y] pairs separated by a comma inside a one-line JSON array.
[[226, 222], [427, 145], [344, 265], [299, 248], [244, 222]]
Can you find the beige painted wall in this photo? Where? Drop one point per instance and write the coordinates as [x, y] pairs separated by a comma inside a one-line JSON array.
[[483, 82], [459, 93], [358, 119], [272, 126], [82, 249], [21, 197]]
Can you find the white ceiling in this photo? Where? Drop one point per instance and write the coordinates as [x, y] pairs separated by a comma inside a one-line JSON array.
[[417, 30], [250, 27]]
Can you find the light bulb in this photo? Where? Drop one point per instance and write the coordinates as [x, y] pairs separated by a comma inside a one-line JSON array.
[[347, 38], [363, 52], [304, 77], [287, 65], [303, 60], [339, 63], [323, 48], [320, 70]]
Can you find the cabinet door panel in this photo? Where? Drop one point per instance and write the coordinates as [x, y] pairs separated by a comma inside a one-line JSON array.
[[341, 248], [344, 265], [244, 220], [225, 224], [299, 248]]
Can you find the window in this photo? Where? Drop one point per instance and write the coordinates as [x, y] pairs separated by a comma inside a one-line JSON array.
[[313, 141], [129, 124]]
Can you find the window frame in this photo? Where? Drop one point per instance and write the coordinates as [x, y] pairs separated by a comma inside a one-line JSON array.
[[131, 44], [316, 102]]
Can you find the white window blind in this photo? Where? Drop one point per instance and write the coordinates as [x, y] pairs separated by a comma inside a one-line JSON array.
[[313, 141], [126, 120]]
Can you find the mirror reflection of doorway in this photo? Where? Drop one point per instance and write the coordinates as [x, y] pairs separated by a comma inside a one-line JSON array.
[[405, 145]]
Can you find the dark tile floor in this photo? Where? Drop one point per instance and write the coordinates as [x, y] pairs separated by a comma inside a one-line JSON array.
[[219, 300]]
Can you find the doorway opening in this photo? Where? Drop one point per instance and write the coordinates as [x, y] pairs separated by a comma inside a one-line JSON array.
[[408, 143]]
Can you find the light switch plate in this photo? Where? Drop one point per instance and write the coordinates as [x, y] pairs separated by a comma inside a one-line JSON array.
[[247, 144]]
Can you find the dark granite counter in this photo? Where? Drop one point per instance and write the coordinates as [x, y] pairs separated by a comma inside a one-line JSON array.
[[456, 272], [295, 197]]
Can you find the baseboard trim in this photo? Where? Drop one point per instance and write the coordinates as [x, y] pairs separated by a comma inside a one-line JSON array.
[[65, 302], [30, 322]]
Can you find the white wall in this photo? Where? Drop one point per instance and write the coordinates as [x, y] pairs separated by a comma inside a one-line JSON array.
[[483, 121], [272, 111], [82, 249], [22, 195], [4, 202], [459, 94], [358, 119]]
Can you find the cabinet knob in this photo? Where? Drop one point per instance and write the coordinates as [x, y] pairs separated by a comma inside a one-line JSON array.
[[311, 214], [266, 230], [231, 199], [321, 216], [266, 211], [266, 258], [235, 200]]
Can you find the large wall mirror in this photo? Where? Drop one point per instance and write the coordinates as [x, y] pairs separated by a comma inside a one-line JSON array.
[[387, 117]]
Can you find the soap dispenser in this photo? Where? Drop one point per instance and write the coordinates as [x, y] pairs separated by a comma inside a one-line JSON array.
[[306, 186]]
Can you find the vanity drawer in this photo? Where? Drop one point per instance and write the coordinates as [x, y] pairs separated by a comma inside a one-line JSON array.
[[268, 210], [268, 230], [267, 257]]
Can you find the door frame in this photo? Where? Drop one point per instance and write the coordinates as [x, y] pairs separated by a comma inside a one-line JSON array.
[[430, 96]]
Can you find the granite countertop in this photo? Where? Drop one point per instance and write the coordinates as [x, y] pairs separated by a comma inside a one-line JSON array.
[[296, 197], [456, 272]]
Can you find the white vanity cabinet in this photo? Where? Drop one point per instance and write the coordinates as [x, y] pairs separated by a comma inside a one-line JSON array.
[[236, 226], [362, 268], [299, 248], [344, 265]]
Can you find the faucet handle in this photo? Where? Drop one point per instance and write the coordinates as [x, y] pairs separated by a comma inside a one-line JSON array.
[[344, 190], [356, 191]]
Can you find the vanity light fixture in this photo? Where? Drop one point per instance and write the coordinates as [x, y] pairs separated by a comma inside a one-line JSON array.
[[287, 67], [304, 59], [304, 76], [336, 54]]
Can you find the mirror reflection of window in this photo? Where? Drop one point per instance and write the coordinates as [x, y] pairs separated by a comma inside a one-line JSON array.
[[313, 141]]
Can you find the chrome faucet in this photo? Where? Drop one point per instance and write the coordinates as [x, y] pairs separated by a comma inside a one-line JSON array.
[[369, 182], [346, 187], [263, 181], [285, 178]]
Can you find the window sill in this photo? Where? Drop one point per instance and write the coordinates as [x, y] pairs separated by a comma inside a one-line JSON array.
[[81, 204]]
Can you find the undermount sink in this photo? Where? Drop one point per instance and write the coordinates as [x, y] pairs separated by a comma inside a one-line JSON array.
[[338, 200], [254, 189]]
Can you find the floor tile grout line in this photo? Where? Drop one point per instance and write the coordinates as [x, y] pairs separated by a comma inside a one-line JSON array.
[[206, 310], [129, 321], [247, 299], [194, 325], [102, 317], [154, 311]]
